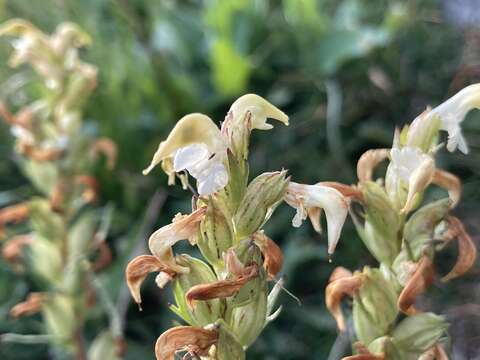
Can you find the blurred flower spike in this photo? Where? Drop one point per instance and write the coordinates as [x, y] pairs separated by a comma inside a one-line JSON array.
[[58, 156], [403, 234]]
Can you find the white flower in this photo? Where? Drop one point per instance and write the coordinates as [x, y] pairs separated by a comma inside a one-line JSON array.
[[207, 168], [305, 198], [452, 112], [415, 168], [196, 145]]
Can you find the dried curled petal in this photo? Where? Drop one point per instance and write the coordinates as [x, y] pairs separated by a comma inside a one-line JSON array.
[[349, 191], [104, 257], [342, 282], [39, 154], [194, 340], [22, 119], [368, 162], [467, 252], [449, 182], [107, 147], [12, 250], [13, 214], [223, 288], [138, 269], [421, 279], [28, 307], [183, 227], [273, 256], [90, 185]]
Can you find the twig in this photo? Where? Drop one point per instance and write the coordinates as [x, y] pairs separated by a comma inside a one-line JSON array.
[[29, 339]]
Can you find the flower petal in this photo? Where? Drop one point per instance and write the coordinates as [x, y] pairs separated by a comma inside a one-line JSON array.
[[260, 109], [191, 129], [138, 269], [453, 111], [467, 251], [195, 340], [418, 283], [329, 199], [183, 227], [28, 307], [449, 182], [368, 162], [223, 288], [342, 282], [273, 256]]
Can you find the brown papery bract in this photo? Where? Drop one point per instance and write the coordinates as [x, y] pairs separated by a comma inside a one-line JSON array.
[[342, 283], [194, 340], [13, 215], [421, 279], [223, 288], [467, 252]]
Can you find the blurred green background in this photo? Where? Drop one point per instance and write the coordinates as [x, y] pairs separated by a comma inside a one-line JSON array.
[[347, 72]]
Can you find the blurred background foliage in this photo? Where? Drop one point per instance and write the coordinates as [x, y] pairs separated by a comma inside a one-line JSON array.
[[347, 72]]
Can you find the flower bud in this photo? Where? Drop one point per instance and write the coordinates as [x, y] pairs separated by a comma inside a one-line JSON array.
[[382, 224], [204, 312], [216, 231], [374, 306], [228, 346], [248, 321], [262, 196], [418, 333], [419, 229]]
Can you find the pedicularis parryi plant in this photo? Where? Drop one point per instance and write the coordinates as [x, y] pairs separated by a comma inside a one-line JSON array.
[[63, 242], [403, 235]]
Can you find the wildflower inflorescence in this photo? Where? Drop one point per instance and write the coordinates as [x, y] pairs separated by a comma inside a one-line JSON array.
[[403, 235], [224, 297], [63, 240]]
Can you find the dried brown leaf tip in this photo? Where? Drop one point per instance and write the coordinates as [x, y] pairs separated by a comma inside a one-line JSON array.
[[449, 182], [342, 282], [368, 162], [13, 248], [467, 252], [364, 354], [106, 147], [30, 306], [194, 341], [223, 288], [272, 254], [138, 269], [421, 279], [38, 154]]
